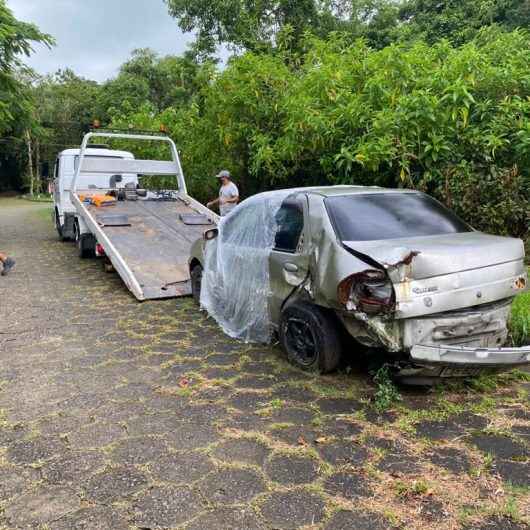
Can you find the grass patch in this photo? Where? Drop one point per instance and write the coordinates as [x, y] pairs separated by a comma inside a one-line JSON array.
[[490, 382], [39, 197], [520, 320], [44, 212], [410, 489]]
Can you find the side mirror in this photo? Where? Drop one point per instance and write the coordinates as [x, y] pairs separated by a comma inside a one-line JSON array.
[[211, 234], [114, 179]]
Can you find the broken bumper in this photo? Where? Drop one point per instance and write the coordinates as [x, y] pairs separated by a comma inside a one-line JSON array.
[[461, 356]]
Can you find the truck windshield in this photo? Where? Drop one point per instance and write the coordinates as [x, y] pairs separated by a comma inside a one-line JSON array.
[[374, 217]]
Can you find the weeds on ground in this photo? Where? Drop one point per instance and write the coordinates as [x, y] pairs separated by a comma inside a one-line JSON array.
[[520, 320], [409, 489], [487, 382], [386, 393]]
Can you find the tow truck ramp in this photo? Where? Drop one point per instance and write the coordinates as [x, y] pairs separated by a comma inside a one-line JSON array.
[[147, 237]]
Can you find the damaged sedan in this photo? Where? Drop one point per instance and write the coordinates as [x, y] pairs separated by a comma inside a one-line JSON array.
[[394, 268]]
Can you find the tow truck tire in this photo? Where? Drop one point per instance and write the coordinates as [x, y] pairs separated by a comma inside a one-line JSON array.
[[310, 337], [196, 282], [86, 243], [58, 226]]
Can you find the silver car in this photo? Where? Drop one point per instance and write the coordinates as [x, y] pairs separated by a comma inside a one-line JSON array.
[[394, 269]]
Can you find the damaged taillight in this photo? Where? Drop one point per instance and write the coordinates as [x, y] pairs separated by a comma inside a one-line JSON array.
[[369, 291]]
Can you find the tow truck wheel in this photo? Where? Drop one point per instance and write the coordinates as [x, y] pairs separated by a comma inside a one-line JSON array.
[[58, 226], [86, 244], [196, 281], [310, 337]]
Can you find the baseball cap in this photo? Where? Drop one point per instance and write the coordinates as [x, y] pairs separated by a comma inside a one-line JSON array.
[[223, 174]]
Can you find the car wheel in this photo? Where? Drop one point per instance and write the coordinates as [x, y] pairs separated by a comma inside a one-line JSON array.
[[196, 281], [310, 337]]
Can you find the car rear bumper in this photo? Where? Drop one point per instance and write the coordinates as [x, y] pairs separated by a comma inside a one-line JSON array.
[[461, 356], [429, 363]]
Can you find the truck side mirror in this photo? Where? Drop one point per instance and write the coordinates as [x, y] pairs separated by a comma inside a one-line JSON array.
[[211, 234], [114, 179]]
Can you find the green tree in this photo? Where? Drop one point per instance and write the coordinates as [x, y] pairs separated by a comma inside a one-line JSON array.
[[459, 21], [147, 78], [248, 25], [262, 25], [65, 107], [16, 39]]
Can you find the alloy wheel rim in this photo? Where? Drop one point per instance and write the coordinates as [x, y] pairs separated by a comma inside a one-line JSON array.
[[301, 341]]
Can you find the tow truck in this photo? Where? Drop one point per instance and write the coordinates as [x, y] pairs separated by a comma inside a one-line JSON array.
[[145, 235]]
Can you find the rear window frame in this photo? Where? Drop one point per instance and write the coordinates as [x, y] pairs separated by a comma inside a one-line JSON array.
[[113, 157], [336, 229]]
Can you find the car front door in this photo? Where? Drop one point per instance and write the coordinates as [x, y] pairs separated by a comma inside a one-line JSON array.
[[289, 258]]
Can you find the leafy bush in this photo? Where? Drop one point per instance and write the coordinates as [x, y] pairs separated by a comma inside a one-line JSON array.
[[520, 320], [451, 121]]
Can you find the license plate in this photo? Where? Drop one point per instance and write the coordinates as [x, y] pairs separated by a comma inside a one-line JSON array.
[[449, 371]]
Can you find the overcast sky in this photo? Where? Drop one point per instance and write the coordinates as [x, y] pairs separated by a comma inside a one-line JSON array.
[[94, 37]]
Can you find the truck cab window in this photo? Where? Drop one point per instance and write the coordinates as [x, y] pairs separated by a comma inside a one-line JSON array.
[[290, 222]]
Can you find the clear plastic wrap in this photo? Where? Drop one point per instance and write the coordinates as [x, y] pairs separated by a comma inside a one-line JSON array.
[[236, 283]]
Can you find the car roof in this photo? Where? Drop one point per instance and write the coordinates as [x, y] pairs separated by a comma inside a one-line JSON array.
[[98, 152], [333, 191]]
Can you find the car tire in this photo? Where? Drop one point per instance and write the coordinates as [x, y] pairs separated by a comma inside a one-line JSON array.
[[196, 282], [310, 337]]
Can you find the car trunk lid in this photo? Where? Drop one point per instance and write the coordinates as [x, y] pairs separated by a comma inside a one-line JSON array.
[[444, 254], [433, 274]]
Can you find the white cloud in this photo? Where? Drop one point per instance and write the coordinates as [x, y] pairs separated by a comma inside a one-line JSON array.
[[95, 37]]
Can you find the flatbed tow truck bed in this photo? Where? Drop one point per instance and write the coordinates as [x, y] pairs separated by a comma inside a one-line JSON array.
[[155, 246], [148, 240]]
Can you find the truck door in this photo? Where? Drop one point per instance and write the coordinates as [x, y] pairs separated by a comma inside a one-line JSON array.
[[289, 259], [56, 182]]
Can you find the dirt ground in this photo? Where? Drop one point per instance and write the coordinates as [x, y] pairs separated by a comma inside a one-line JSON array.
[[116, 414]]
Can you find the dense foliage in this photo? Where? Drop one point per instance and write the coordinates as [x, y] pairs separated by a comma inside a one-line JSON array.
[[452, 121], [460, 20], [270, 24]]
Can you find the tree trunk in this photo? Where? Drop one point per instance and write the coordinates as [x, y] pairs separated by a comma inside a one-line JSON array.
[[30, 162], [37, 166]]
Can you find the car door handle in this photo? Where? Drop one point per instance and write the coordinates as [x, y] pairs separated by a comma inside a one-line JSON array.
[[290, 267]]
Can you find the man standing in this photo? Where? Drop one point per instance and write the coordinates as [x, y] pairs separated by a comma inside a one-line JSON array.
[[7, 263], [228, 194]]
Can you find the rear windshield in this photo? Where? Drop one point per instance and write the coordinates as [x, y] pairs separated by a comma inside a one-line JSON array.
[[374, 217]]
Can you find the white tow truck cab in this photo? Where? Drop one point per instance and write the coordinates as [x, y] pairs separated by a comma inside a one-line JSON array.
[[64, 171], [146, 235]]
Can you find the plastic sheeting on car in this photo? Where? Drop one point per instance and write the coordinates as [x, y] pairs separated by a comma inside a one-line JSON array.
[[235, 283]]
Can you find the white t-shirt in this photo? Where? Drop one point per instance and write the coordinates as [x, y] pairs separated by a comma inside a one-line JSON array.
[[227, 192]]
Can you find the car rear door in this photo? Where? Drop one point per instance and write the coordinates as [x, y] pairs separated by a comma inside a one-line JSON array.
[[289, 258]]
